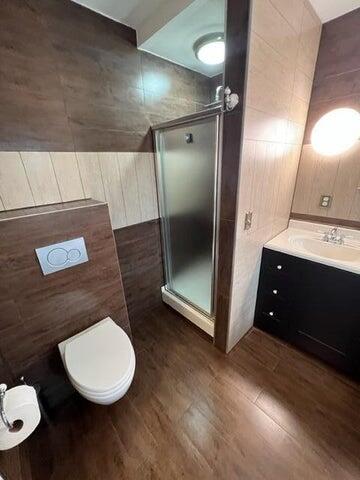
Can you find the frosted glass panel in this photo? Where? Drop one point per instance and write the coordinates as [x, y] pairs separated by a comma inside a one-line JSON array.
[[187, 174]]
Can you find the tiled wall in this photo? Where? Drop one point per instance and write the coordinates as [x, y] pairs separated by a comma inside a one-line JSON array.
[[284, 41], [38, 312], [336, 84], [125, 180], [72, 80]]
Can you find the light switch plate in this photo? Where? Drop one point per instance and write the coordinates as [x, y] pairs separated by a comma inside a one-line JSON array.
[[59, 256]]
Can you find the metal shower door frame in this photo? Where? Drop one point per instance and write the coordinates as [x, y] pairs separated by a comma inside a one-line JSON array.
[[164, 222]]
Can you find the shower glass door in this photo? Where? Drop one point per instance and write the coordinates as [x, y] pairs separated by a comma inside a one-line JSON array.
[[186, 172]]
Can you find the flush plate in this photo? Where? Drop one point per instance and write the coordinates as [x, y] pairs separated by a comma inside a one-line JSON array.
[[59, 256]]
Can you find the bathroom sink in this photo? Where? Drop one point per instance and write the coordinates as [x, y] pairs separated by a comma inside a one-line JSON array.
[[341, 253], [306, 240]]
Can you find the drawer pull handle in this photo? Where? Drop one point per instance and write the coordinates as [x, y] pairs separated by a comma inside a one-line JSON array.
[[271, 314], [275, 292], [279, 267]]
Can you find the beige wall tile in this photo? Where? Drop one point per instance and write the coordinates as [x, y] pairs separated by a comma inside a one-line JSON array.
[[302, 86], [41, 176], [111, 176], [15, 190], [298, 110], [125, 180], [272, 27], [264, 127], [147, 187], [306, 172], [310, 32], [292, 11], [245, 194], [294, 133], [270, 63], [320, 175], [276, 102], [323, 182], [273, 133], [90, 174], [67, 175], [130, 187]]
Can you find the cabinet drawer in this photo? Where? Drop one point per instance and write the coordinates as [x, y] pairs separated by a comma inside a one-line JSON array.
[[272, 315], [277, 287], [277, 263]]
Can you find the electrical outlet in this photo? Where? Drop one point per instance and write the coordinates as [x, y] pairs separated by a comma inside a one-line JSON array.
[[325, 201]]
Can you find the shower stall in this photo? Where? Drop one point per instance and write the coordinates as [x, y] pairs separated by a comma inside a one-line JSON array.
[[187, 165]]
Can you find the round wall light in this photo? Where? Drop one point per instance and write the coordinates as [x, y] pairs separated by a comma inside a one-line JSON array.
[[210, 49], [336, 131]]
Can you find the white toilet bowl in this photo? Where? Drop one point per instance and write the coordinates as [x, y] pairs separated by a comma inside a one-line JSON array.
[[100, 362]]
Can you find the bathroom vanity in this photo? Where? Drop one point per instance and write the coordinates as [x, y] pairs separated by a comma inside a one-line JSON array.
[[312, 300]]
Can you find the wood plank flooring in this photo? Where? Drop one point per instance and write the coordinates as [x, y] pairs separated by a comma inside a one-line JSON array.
[[266, 411]]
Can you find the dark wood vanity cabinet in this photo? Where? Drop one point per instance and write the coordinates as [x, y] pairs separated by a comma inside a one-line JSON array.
[[312, 306]]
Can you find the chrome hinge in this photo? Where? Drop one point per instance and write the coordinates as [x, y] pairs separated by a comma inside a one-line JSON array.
[[230, 100]]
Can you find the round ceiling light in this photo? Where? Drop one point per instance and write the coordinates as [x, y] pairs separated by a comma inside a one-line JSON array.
[[336, 131], [210, 49]]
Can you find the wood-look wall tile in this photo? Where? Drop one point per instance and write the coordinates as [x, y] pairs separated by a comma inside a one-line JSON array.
[[147, 186], [36, 311], [114, 195], [41, 176], [140, 257], [67, 175], [130, 187], [14, 186], [346, 188], [82, 56], [90, 172]]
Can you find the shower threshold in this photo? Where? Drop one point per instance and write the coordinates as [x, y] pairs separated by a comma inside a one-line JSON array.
[[195, 316]]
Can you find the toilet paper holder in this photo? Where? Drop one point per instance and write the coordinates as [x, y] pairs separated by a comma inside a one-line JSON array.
[[7, 423]]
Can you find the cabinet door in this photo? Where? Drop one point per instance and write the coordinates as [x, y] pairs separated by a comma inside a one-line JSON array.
[[327, 312]]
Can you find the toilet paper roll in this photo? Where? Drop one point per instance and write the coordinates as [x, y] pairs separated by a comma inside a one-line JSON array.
[[22, 410]]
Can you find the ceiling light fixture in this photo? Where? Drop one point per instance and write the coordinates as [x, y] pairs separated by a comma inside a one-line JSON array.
[[336, 131], [210, 49]]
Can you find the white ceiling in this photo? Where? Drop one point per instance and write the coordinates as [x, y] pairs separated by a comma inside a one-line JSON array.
[[175, 39], [330, 9], [135, 12], [129, 12]]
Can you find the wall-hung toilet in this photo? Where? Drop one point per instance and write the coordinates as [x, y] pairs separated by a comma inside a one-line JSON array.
[[100, 362]]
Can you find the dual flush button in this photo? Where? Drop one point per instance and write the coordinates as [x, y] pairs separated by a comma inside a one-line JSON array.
[[59, 256]]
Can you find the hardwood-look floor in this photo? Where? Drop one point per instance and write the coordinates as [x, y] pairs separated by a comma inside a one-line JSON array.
[[265, 411]]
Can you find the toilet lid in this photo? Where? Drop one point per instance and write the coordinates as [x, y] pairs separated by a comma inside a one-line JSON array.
[[100, 358]]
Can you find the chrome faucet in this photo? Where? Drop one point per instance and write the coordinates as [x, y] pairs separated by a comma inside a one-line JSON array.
[[334, 236]]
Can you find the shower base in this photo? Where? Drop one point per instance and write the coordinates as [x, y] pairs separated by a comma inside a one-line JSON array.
[[196, 317]]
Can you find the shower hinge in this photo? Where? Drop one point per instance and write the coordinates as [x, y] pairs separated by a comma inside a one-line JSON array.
[[248, 220], [230, 99]]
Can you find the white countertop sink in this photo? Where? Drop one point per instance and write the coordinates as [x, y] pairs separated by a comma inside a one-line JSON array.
[[305, 240]]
